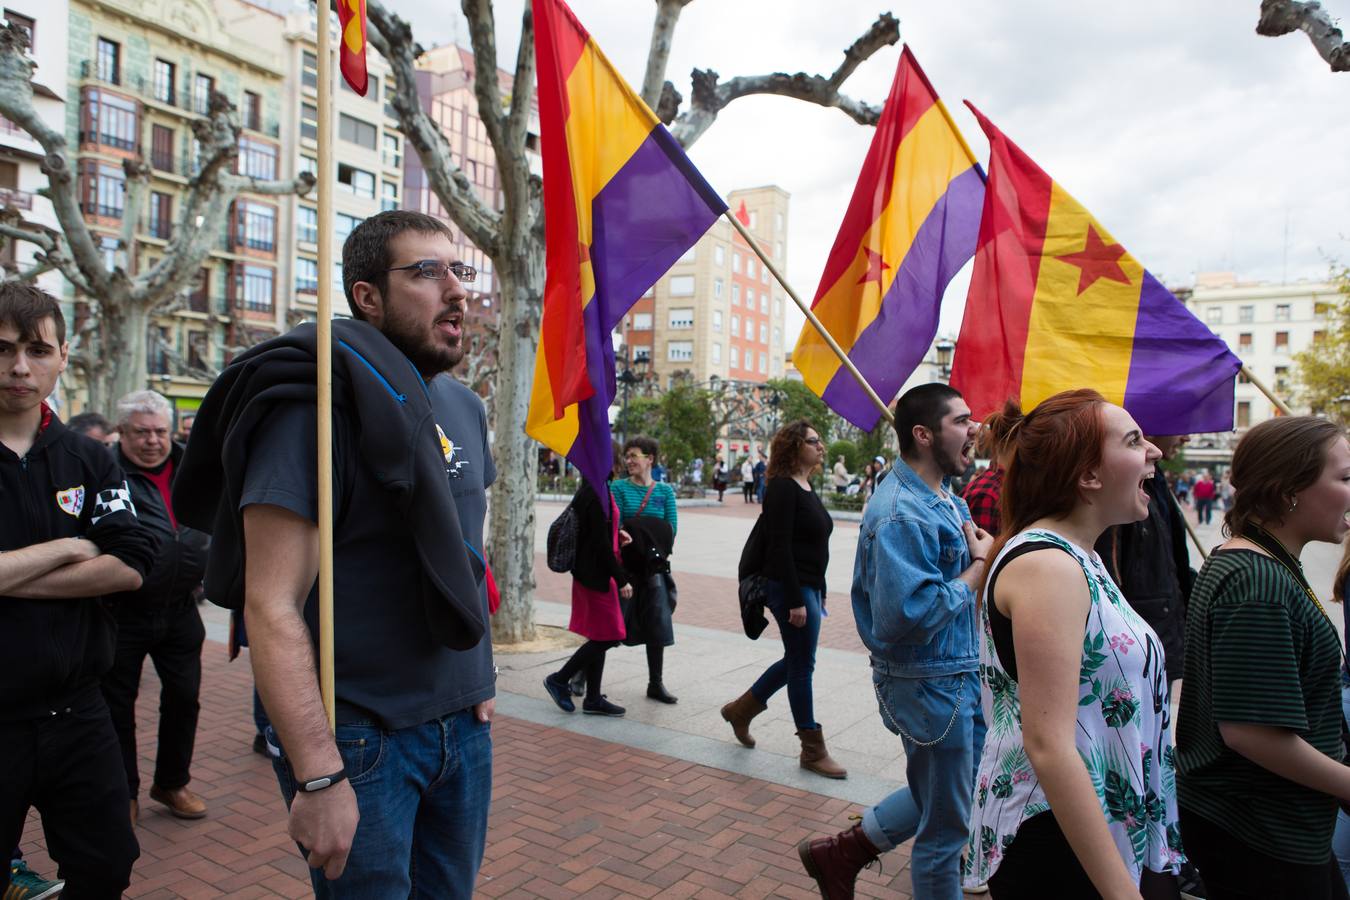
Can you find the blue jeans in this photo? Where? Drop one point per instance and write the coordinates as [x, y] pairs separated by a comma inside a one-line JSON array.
[[423, 793], [794, 670], [1340, 840], [935, 807]]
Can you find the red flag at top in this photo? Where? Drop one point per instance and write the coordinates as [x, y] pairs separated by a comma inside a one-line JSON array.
[[352, 50]]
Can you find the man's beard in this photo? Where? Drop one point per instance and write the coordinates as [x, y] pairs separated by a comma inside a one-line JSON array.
[[949, 464], [427, 356]]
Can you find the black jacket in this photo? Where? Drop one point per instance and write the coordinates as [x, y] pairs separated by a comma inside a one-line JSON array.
[[181, 561], [1151, 565], [65, 486], [376, 388], [596, 563]]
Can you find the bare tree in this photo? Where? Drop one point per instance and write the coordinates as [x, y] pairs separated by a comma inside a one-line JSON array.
[[110, 345], [1281, 17], [513, 236]]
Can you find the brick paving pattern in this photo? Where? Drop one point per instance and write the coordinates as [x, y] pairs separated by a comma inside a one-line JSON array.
[[572, 816]]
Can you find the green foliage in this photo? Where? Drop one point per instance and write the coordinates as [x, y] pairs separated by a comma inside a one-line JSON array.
[[799, 402], [848, 450], [844, 502], [874, 443], [681, 421], [1323, 370]]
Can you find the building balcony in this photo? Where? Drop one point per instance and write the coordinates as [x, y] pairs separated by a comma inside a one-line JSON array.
[[16, 199]]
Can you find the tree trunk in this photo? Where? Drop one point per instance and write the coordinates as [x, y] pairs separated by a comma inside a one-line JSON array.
[[124, 335], [511, 523]]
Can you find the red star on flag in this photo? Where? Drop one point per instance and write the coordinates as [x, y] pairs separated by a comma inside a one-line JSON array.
[[1097, 259], [875, 266]]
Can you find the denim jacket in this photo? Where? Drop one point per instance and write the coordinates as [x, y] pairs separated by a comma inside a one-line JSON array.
[[912, 613]]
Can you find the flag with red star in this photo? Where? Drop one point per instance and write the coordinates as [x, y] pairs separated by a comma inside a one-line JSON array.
[[909, 227], [1056, 303]]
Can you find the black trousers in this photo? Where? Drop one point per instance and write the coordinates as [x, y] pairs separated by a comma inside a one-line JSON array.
[[172, 637], [68, 767], [1235, 870]]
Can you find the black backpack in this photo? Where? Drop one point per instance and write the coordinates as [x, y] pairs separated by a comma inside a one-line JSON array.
[[562, 541]]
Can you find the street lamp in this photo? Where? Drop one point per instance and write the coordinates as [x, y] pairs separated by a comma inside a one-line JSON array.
[[944, 350], [627, 378]]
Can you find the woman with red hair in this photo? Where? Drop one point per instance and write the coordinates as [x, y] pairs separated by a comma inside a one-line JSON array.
[[1075, 794]]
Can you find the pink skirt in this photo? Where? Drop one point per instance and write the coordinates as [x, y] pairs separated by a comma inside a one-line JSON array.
[[596, 615]]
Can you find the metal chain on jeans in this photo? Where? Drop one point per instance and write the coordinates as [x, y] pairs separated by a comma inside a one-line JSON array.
[[886, 711]]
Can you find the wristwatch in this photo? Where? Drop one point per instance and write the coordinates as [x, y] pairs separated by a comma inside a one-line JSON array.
[[318, 784]]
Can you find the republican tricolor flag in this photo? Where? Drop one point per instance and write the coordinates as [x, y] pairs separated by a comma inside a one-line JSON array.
[[1056, 303], [910, 226], [622, 203]]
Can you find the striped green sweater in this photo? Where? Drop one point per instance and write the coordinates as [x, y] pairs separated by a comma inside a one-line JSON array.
[[1257, 651]]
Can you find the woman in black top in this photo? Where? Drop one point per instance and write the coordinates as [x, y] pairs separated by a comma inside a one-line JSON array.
[[796, 552]]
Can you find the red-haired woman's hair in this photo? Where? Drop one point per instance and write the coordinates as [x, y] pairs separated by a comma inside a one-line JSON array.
[[1051, 448]]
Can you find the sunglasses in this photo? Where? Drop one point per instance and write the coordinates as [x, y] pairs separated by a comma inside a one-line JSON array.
[[439, 271]]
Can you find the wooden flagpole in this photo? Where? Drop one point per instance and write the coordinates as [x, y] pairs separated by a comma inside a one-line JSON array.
[[811, 317], [1263, 388], [325, 362]]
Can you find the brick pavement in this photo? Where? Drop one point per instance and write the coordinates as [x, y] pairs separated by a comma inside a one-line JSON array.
[[572, 816]]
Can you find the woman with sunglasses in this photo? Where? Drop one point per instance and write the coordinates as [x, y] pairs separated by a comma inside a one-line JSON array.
[[796, 552], [1259, 735]]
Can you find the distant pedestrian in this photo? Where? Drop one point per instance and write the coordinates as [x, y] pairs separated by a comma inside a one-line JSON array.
[[1204, 492], [1260, 750], [761, 467], [796, 554], [92, 424], [839, 476], [747, 480], [721, 478], [696, 476]]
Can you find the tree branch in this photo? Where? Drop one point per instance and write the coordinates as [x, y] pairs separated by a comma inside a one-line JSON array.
[[392, 37], [1281, 17], [522, 84], [663, 37], [710, 98]]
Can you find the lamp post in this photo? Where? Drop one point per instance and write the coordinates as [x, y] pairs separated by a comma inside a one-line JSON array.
[[627, 378], [943, 348]]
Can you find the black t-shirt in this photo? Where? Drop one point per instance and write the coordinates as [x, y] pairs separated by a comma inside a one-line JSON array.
[[797, 539], [389, 668]]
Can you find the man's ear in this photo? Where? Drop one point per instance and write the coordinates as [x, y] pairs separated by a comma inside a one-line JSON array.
[[366, 297], [65, 357], [923, 435]]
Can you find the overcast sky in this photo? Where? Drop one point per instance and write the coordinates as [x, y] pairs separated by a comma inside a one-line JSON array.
[[1199, 145]]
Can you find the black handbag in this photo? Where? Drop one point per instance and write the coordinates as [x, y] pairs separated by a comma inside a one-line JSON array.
[[753, 591]]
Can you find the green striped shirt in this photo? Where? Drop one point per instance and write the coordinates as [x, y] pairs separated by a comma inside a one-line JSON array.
[[1257, 651], [661, 505]]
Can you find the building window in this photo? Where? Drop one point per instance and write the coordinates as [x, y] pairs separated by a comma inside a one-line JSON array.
[[735, 326], [25, 24], [165, 81], [735, 295], [256, 226], [1282, 342], [735, 262], [763, 333], [109, 61], [161, 214], [1281, 378], [356, 131], [717, 320], [1319, 336], [720, 255], [642, 353], [1245, 342], [1244, 414], [717, 288], [682, 286], [393, 151], [777, 336], [681, 317], [735, 358], [111, 120], [310, 76], [642, 321], [199, 301], [1214, 315], [763, 364], [1246, 314], [307, 225], [257, 159], [309, 164], [778, 306], [202, 88], [255, 285], [754, 219], [107, 247], [356, 181], [252, 111], [750, 267], [717, 351], [763, 302], [1320, 310], [388, 195], [680, 351], [778, 222], [309, 121], [104, 190], [344, 225], [1282, 312], [306, 276]]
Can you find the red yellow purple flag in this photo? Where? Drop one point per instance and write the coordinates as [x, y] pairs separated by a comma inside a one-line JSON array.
[[1055, 304], [352, 48], [622, 203], [910, 226]]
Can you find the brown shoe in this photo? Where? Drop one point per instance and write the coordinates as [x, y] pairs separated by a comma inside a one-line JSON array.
[[739, 712], [834, 862], [815, 757], [182, 803]]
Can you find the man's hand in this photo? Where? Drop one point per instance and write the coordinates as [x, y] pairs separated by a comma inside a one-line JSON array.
[[626, 592], [624, 538], [978, 540], [324, 823], [797, 617], [484, 711]]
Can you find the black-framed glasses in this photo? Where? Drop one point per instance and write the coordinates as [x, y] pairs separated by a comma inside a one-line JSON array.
[[439, 271], [814, 442]]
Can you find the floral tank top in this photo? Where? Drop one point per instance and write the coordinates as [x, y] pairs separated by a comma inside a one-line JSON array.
[[1123, 735]]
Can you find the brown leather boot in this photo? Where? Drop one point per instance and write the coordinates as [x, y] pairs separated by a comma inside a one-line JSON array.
[[815, 757], [739, 712], [182, 803], [835, 861]]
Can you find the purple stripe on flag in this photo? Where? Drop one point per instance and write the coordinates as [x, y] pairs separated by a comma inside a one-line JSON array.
[[655, 208], [1181, 374], [894, 343], [592, 451]]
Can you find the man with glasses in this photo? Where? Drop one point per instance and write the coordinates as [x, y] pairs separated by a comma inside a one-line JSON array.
[[412, 755], [159, 619]]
